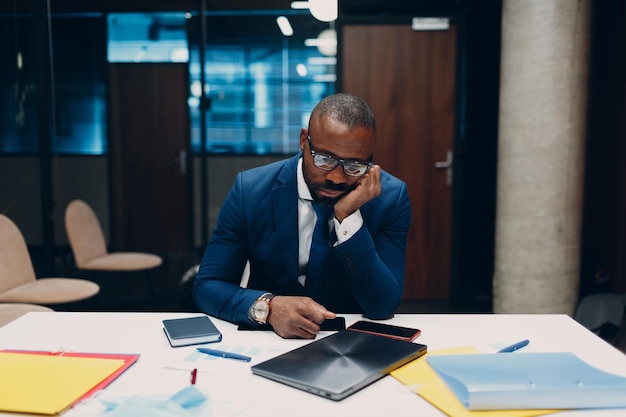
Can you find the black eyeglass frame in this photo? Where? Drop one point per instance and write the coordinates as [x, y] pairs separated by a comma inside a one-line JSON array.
[[338, 161]]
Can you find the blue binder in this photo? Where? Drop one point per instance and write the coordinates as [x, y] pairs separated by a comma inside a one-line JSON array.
[[510, 381]]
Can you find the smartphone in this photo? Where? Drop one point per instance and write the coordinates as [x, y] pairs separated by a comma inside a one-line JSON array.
[[338, 323], [395, 332]]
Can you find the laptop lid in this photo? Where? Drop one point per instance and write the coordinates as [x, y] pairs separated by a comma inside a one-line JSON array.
[[340, 364]]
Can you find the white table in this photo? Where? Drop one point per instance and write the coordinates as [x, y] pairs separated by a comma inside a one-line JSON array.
[[233, 390]]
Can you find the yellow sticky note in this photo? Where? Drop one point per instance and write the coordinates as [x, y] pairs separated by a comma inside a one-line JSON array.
[[48, 384], [428, 385]]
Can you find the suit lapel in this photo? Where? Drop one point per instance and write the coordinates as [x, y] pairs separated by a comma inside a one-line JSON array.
[[285, 202]]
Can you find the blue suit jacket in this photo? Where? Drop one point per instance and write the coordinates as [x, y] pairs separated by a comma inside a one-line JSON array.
[[259, 222]]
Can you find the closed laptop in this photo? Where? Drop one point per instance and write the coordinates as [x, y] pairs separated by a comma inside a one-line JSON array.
[[340, 364]]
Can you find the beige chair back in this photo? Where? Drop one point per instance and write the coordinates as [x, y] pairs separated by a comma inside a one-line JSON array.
[[16, 267], [84, 233]]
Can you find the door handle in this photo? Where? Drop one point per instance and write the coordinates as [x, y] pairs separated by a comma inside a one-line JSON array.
[[447, 165]]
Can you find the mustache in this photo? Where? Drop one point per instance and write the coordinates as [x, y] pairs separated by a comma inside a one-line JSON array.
[[329, 185]]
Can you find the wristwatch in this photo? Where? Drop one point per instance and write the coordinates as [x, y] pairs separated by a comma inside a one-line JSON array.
[[261, 308]]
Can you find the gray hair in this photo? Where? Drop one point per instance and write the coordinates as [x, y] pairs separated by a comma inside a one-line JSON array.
[[346, 108]]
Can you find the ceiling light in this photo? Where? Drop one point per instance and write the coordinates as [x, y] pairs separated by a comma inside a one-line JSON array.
[[324, 10], [321, 60], [300, 5], [325, 78], [326, 42], [301, 70], [284, 25]]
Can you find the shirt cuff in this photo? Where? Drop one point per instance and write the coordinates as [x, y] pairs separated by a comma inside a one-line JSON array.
[[348, 227]]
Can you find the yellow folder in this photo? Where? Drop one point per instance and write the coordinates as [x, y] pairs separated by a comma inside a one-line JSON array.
[[48, 384], [428, 385]]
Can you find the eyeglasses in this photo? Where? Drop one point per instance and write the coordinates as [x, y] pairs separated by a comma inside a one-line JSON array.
[[328, 163]]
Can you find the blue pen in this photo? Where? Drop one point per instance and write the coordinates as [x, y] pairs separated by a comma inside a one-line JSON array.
[[514, 347], [223, 354]]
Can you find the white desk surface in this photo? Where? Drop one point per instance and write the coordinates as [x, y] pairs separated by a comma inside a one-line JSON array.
[[234, 391]]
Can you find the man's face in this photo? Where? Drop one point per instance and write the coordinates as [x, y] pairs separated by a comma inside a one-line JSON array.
[[331, 138]]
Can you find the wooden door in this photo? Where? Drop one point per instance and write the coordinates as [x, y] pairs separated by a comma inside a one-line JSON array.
[[408, 79], [149, 136]]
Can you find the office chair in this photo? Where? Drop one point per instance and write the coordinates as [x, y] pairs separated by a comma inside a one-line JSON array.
[[12, 311], [605, 315], [90, 250], [18, 283]]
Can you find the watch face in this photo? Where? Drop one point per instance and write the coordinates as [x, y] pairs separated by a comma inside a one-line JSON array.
[[260, 310]]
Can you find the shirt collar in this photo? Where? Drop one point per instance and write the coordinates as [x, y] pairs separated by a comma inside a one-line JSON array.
[[303, 188]]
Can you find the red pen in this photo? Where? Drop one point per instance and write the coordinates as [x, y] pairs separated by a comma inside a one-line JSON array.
[[193, 376]]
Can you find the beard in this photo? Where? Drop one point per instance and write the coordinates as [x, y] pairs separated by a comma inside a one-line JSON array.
[[328, 185]]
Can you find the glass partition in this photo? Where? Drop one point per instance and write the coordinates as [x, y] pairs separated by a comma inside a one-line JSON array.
[[259, 83]]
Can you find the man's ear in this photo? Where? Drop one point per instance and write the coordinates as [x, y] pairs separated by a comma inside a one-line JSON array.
[[304, 132]]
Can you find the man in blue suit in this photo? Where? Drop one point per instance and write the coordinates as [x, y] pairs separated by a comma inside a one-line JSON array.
[[269, 219]]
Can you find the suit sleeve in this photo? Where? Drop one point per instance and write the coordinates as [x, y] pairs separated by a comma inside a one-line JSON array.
[[217, 288], [374, 260]]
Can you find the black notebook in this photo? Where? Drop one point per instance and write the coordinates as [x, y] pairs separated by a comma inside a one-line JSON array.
[[191, 331], [340, 364]]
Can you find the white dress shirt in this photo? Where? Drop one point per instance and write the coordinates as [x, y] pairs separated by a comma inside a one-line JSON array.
[[306, 223]]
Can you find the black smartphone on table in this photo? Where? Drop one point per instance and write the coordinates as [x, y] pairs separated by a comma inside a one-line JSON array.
[[395, 332], [338, 323]]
